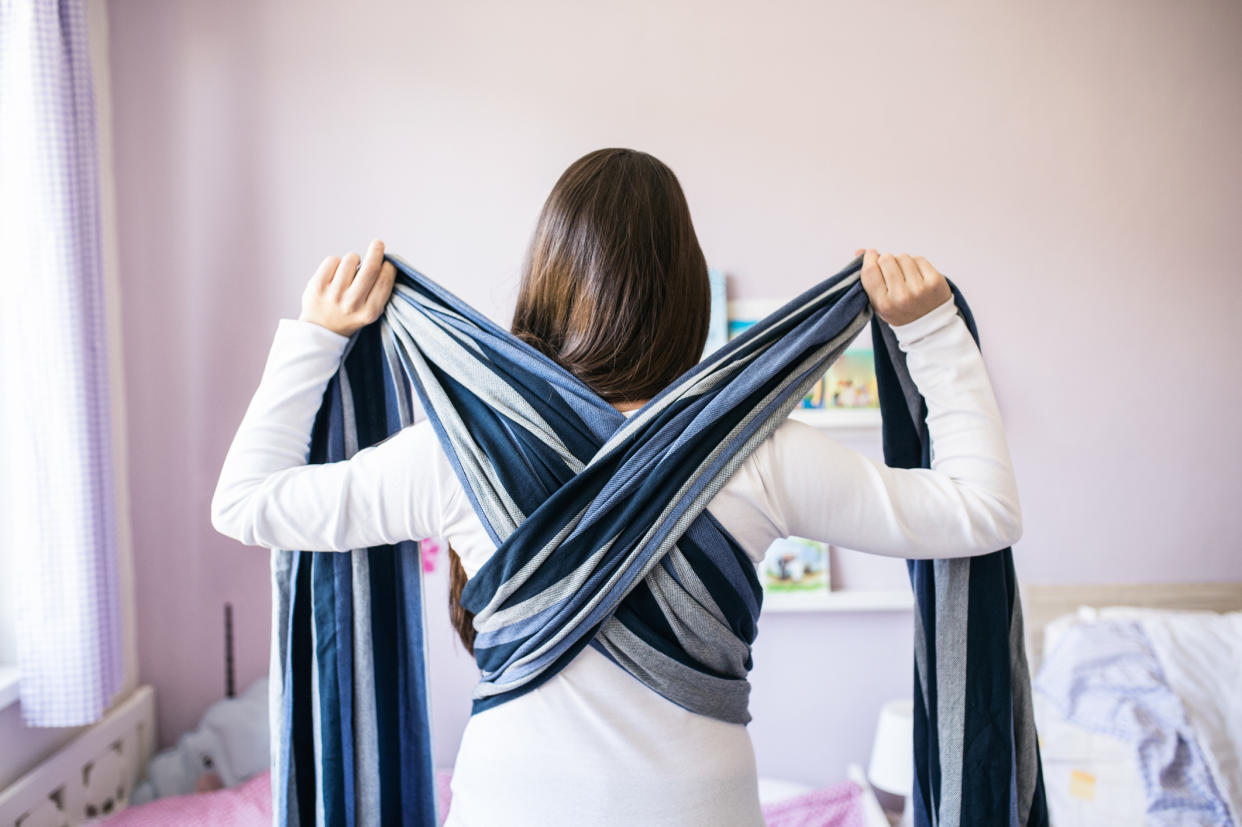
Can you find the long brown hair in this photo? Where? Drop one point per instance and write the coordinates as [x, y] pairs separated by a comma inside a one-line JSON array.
[[614, 289]]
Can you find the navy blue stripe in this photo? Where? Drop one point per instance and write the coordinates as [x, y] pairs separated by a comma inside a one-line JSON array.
[[987, 743], [926, 761], [923, 581], [330, 767], [384, 617], [299, 698]]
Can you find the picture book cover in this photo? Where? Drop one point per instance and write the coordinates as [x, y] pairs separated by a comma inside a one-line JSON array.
[[795, 564]]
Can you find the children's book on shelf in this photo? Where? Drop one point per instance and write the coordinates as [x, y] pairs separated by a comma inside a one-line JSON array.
[[795, 564]]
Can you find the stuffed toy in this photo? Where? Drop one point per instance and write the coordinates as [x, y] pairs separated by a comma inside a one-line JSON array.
[[228, 747]]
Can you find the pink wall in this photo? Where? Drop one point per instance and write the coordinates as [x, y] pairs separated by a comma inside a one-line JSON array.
[[1073, 167]]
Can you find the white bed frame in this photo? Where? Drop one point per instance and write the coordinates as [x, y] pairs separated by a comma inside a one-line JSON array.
[[89, 777], [1044, 603]]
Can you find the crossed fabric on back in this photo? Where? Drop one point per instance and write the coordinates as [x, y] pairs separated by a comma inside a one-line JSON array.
[[602, 539]]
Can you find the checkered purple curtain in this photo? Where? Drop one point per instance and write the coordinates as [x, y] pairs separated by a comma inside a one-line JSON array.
[[59, 526]]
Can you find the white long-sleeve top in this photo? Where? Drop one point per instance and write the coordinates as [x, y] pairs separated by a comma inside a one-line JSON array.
[[592, 745]]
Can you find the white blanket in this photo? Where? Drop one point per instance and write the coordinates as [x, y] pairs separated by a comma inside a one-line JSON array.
[[1200, 657]]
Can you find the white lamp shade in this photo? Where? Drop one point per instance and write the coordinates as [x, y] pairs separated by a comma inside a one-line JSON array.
[[892, 755]]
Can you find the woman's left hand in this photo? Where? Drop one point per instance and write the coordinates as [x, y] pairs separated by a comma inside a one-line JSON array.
[[348, 293]]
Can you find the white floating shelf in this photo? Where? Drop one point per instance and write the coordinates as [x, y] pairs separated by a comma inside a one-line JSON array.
[[846, 600], [848, 418]]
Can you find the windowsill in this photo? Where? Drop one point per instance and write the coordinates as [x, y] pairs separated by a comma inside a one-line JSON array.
[[8, 685]]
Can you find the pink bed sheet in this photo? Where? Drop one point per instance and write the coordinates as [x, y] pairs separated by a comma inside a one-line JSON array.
[[837, 806], [249, 804]]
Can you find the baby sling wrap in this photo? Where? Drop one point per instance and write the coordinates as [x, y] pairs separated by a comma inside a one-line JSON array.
[[603, 539]]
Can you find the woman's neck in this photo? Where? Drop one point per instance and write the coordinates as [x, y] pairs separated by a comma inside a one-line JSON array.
[[630, 406]]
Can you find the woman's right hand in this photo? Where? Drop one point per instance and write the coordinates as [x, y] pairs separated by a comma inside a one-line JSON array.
[[901, 287], [348, 293]]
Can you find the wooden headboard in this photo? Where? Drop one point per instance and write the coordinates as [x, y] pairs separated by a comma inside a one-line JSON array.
[[1044, 603]]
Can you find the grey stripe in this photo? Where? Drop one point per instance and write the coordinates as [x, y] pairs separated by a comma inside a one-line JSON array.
[[952, 601], [920, 657], [413, 299], [692, 584], [920, 666], [283, 790], [366, 727], [1025, 750], [365, 715], [404, 402], [348, 418], [706, 638], [897, 356], [726, 699]]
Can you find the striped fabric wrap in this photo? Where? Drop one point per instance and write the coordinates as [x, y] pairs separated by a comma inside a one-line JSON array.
[[976, 755], [603, 539]]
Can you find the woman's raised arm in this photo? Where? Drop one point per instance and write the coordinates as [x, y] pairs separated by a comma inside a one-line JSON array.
[[267, 495], [965, 504]]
